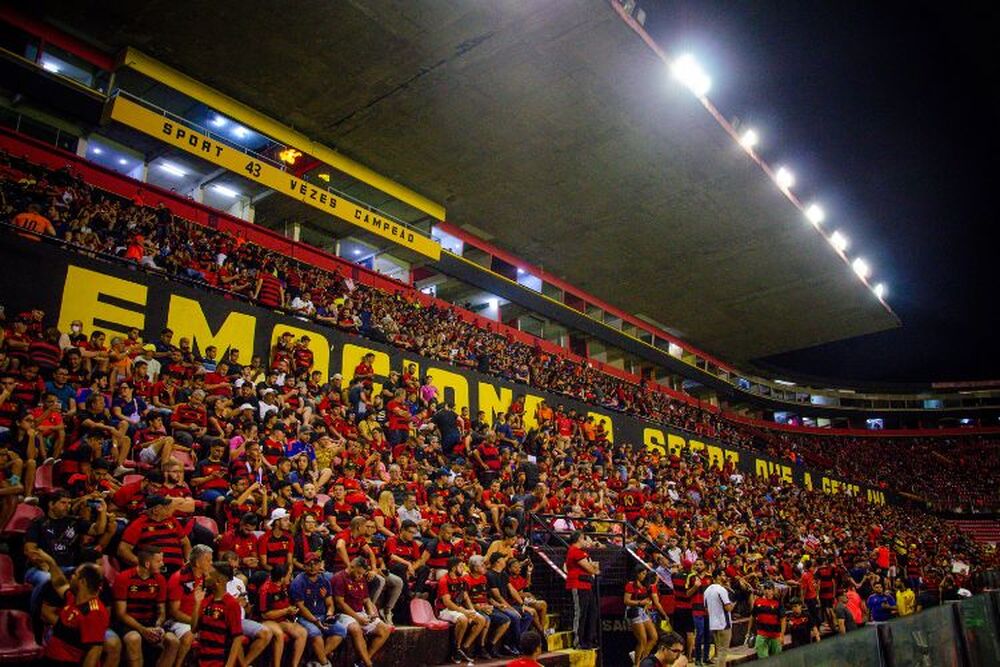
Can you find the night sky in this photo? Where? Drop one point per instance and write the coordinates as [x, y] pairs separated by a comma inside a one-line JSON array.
[[888, 115]]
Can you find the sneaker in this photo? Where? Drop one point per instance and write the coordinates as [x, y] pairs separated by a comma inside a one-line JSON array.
[[387, 615], [121, 470], [631, 656], [511, 650], [464, 656], [30, 500]]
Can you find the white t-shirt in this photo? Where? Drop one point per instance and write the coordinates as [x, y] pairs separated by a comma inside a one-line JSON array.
[[715, 597], [237, 588]]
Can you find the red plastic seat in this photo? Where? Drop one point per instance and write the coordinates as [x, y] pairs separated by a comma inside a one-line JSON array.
[[43, 479], [17, 641], [208, 523], [8, 584], [423, 615], [23, 517], [321, 499], [131, 479], [186, 459]]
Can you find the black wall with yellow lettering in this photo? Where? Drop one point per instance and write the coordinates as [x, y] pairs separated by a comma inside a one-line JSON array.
[[113, 296]]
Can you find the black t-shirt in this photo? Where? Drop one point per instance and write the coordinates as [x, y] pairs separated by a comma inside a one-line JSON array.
[[652, 661], [60, 538], [499, 581], [446, 421], [842, 612]]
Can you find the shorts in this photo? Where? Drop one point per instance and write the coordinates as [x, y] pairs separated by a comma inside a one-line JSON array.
[[827, 603], [368, 628], [251, 628], [636, 615], [148, 455], [179, 629], [450, 615], [313, 630], [683, 621]]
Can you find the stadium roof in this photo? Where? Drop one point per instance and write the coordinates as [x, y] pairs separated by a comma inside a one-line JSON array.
[[550, 126]]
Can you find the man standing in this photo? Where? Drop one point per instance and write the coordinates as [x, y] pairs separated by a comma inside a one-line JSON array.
[[768, 618], [880, 604], [720, 622], [580, 574]]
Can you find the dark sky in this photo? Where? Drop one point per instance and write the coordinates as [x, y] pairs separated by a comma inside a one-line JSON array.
[[889, 116]]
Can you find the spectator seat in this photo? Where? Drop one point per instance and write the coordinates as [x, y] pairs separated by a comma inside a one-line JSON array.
[[423, 615], [17, 640], [208, 523], [9, 585], [24, 515], [43, 479]]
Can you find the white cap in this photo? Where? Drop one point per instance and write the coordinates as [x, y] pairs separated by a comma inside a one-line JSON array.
[[245, 406], [279, 513]]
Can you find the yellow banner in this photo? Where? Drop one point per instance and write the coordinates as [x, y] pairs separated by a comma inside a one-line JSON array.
[[180, 136]]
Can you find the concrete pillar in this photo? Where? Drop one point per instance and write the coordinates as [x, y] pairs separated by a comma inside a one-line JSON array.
[[81, 147], [296, 231]]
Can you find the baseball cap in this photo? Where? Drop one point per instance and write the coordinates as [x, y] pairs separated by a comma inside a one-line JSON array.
[[337, 376], [245, 406], [279, 513], [149, 347], [311, 557]]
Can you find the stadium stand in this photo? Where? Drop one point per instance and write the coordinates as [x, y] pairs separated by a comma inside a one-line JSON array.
[[255, 442]]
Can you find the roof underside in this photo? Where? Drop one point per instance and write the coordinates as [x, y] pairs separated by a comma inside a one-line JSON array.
[[549, 125]]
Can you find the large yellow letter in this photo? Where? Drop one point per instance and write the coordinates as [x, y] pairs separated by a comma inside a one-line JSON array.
[[81, 301], [492, 401], [654, 441], [187, 319]]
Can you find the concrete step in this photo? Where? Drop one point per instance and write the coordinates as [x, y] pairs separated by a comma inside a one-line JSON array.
[[562, 639]]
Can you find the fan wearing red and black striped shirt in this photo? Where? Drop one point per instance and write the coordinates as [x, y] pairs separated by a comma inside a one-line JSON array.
[[78, 634], [156, 528], [218, 620], [141, 608]]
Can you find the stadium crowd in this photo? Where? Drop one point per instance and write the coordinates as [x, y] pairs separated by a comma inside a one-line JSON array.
[[88, 219], [254, 498]]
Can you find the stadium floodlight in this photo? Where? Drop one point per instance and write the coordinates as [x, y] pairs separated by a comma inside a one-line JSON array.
[[784, 178], [816, 214], [861, 268], [173, 170], [218, 121], [240, 132], [122, 161], [226, 192], [881, 291], [97, 150], [687, 70], [749, 139], [50, 66], [839, 241]]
